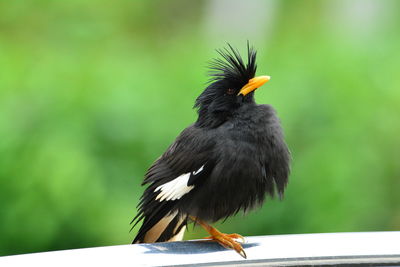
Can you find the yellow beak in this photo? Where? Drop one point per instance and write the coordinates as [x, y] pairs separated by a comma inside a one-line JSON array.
[[253, 84]]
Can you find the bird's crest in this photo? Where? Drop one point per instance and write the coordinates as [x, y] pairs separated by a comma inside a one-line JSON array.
[[232, 67]]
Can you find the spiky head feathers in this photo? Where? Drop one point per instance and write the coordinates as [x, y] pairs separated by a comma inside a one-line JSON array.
[[232, 66]]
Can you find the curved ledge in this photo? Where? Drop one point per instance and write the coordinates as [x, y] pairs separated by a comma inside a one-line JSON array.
[[350, 249]]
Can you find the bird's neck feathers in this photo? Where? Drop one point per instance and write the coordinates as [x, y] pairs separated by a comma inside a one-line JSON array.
[[213, 114], [211, 120]]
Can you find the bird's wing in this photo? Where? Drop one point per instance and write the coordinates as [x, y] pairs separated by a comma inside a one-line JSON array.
[[188, 154], [181, 168]]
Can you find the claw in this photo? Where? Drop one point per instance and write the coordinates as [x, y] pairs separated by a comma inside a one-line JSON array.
[[239, 249], [242, 253]]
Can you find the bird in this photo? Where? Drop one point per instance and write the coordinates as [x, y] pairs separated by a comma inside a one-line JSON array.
[[229, 160]]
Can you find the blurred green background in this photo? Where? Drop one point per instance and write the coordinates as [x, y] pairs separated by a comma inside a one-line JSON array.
[[92, 92]]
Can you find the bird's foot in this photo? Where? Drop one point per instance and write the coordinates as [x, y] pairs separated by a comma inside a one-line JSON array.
[[225, 240], [229, 241]]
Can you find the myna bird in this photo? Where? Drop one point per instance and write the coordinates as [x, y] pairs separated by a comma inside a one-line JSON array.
[[228, 161]]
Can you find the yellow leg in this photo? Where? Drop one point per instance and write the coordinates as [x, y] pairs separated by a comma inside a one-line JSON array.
[[225, 240]]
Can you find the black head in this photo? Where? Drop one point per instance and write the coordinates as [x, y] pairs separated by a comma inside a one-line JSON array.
[[232, 85]]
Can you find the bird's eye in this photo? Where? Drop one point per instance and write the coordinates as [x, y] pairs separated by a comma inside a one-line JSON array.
[[230, 91]]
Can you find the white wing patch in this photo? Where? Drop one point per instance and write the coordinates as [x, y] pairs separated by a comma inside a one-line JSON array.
[[176, 188]]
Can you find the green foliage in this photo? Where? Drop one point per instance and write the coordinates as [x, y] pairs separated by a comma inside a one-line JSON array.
[[92, 93]]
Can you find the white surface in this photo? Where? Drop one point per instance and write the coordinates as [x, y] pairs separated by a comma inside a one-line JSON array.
[[192, 252]]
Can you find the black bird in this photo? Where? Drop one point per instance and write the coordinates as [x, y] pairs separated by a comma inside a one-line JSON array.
[[228, 161]]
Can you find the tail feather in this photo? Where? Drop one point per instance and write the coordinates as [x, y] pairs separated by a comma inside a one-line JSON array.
[[169, 228], [174, 231]]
